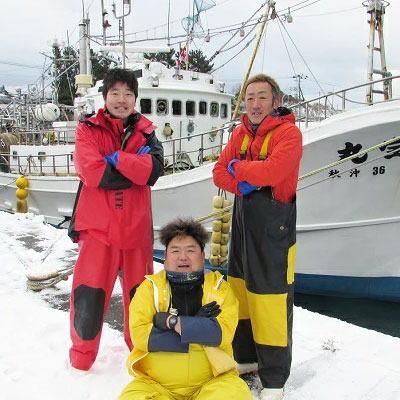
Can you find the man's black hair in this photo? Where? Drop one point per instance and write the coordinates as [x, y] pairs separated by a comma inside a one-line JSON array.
[[120, 75], [184, 227]]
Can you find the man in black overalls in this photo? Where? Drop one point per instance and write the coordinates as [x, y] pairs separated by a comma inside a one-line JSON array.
[[260, 165]]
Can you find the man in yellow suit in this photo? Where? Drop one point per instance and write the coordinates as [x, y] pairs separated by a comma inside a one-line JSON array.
[[182, 323]]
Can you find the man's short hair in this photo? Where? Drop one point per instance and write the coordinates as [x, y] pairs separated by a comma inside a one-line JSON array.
[[265, 78], [184, 227], [120, 75]]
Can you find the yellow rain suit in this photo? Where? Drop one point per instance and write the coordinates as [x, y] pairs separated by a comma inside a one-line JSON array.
[[198, 363]]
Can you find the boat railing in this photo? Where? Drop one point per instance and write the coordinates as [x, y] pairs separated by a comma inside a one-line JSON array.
[[41, 164], [322, 107], [44, 137], [209, 147]]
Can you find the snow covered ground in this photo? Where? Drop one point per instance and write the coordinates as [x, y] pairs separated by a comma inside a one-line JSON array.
[[331, 359]]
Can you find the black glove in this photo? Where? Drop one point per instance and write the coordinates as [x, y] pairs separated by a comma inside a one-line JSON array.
[[210, 310], [160, 320]]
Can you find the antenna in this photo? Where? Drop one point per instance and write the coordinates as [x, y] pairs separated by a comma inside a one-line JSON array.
[[105, 23], [122, 18], [376, 9]]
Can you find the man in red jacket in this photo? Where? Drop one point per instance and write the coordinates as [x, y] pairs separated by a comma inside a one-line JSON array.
[[117, 157], [260, 165]]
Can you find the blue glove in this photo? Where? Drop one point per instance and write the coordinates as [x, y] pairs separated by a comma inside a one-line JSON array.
[[246, 188], [112, 158], [144, 150], [230, 168]]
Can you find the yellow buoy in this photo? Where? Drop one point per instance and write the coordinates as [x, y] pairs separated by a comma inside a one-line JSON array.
[[226, 203], [215, 249], [214, 260], [220, 234], [22, 206], [21, 194], [224, 250], [22, 182], [224, 238], [225, 227], [217, 225], [223, 261], [218, 201], [216, 237], [226, 218]]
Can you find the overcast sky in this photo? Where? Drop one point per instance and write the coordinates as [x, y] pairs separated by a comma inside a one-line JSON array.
[[332, 37]]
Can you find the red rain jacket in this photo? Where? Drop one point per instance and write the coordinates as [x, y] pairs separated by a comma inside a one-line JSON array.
[[281, 168], [114, 204]]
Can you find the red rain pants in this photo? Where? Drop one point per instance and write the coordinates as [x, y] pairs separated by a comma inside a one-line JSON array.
[[95, 273]]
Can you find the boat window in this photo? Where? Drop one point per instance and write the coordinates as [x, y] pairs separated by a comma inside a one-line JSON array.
[[176, 107], [203, 108], [224, 110], [138, 73], [100, 89], [162, 107], [214, 109], [145, 106], [190, 108]]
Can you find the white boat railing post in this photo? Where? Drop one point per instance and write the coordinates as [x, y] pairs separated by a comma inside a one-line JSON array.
[[68, 166], [307, 110], [201, 149], [40, 165], [173, 156], [19, 164], [344, 100]]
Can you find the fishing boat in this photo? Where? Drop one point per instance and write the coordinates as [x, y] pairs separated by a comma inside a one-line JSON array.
[[348, 195]]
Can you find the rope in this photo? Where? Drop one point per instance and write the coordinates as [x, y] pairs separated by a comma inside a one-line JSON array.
[[361, 153], [343, 171], [219, 214]]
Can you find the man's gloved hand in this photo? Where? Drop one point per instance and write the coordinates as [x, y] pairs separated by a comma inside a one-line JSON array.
[[230, 166], [210, 310], [144, 150], [160, 320], [246, 188], [112, 158]]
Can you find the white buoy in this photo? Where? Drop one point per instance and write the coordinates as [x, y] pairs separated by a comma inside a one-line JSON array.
[[47, 112]]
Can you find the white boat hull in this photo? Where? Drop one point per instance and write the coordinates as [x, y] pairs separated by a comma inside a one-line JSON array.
[[348, 226]]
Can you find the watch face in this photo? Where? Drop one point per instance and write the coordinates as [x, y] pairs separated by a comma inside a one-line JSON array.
[[173, 321]]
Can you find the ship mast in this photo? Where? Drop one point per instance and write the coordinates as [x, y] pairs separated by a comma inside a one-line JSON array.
[[125, 12], [270, 6], [376, 9]]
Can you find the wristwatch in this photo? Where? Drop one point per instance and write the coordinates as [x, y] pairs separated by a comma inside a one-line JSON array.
[[173, 320]]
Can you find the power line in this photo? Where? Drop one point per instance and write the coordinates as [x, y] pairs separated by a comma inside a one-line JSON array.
[[332, 12], [14, 64]]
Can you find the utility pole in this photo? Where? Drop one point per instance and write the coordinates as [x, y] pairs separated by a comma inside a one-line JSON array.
[[376, 9], [122, 18], [299, 77]]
